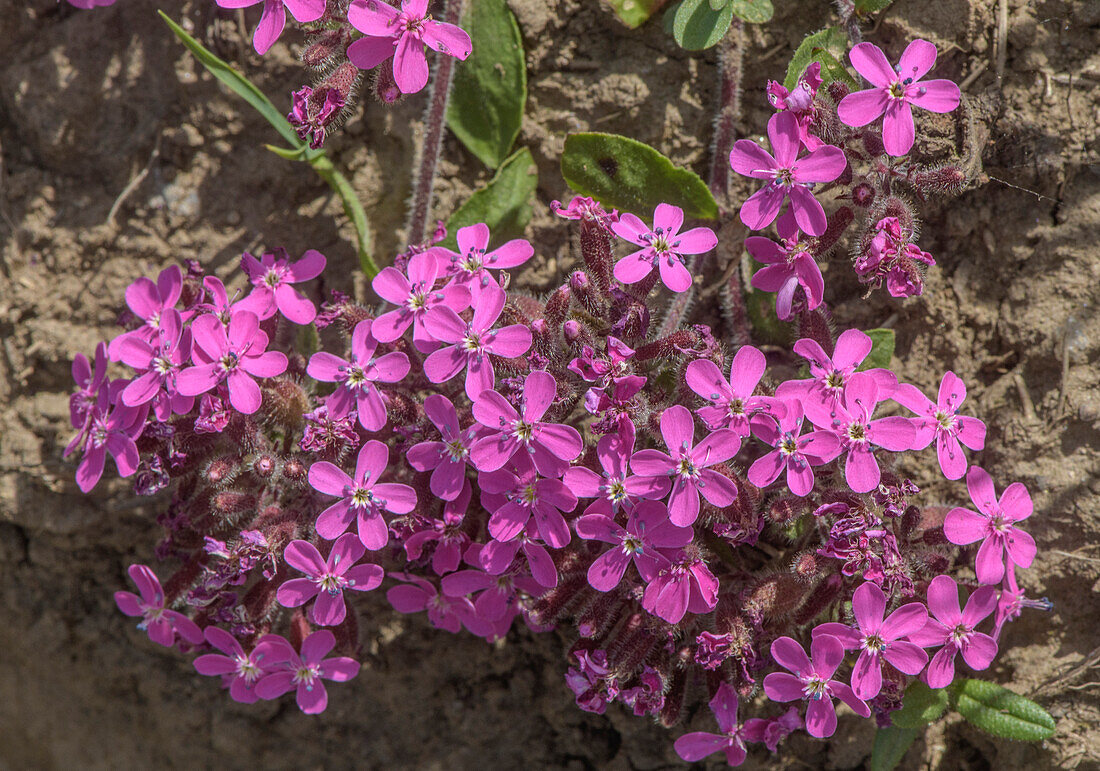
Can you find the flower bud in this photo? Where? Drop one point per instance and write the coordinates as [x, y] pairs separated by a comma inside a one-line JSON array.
[[775, 596], [823, 595], [596, 253], [557, 306], [384, 87], [221, 471], [944, 180], [837, 90], [863, 195], [228, 503]]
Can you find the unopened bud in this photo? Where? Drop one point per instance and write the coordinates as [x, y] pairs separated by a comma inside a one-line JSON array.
[[285, 402], [557, 306], [821, 598], [384, 86], [863, 195], [948, 180], [573, 331], [596, 253], [230, 502], [806, 565], [264, 466], [784, 510], [837, 90], [221, 471], [776, 596], [815, 325]]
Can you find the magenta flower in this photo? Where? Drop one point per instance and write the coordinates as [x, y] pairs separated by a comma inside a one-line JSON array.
[[497, 557], [469, 344], [234, 356], [149, 301], [586, 209], [828, 375], [800, 101], [797, 454], [687, 465], [789, 175], [239, 670], [954, 629], [895, 89], [216, 299], [495, 593], [942, 422], [327, 579], [516, 495], [420, 594], [88, 383], [447, 534], [994, 526], [878, 639], [812, 681], [161, 624], [446, 459], [860, 436], [695, 746], [402, 35], [108, 429], [663, 247], [157, 365], [647, 530], [304, 673], [471, 263], [616, 488], [273, 282], [273, 18], [1012, 602], [363, 498], [551, 446], [732, 404], [685, 586], [414, 295], [357, 377], [789, 265]]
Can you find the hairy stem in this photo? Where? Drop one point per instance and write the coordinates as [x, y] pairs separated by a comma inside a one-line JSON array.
[[435, 117]]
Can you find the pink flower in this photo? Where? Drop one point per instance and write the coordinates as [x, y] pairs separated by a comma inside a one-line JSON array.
[[828, 375], [161, 624], [789, 265], [800, 101], [449, 537], [516, 495], [616, 488], [647, 530], [895, 89], [860, 436], [402, 35], [942, 422], [789, 175], [235, 356], [357, 377], [995, 526], [1012, 602], [239, 670], [219, 302], [732, 404], [812, 681], [363, 498], [273, 18], [273, 282], [879, 639], [327, 579], [687, 465], [583, 208], [88, 383], [415, 295], [496, 557], [157, 365], [420, 594], [446, 459], [551, 446], [108, 429], [495, 593], [685, 586], [663, 247], [471, 343], [795, 453], [471, 263], [954, 629], [149, 301], [695, 746], [304, 673]]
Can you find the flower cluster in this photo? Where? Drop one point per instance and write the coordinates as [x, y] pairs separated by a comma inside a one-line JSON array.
[[827, 139], [697, 517]]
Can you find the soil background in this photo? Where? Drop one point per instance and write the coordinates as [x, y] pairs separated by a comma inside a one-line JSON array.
[[92, 100]]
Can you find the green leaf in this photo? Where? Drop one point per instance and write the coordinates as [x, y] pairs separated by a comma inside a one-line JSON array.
[[864, 7], [634, 13], [286, 153], [831, 40], [890, 747], [631, 176], [490, 87], [504, 204], [832, 69], [999, 711], [882, 349], [920, 706], [719, 4], [238, 84], [753, 11], [696, 25]]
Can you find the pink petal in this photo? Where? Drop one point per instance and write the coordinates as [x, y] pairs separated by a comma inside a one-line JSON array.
[[304, 556], [444, 364], [293, 305], [822, 165], [143, 298], [919, 57], [767, 251], [821, 718], [943, 600], [898, 131], [980, 486], [270, 27], [510, 341], [129, 603], [989, 564], [329, 479], [296, 591], [861, 470], [345, 552], [895, 433], [868, 607], [761, 208], [635, 266], [408, 599], [696, 746], [862, 107], [334, 521], [651, 463], [826, 653], [683, 504], [779, 686], [244, 394], [1016, 502], [845, 694], [631, 228], [746, 370], [906, 620], [339, 669], [971, 432], [410, 66], [1020, 547], [704, 378], [808, 213], [372, 530], [790, 655], [867, 675], [368, 52], [872, 64], [596, 527], [371, 410], [513, 253], [938, 96], [979, 651], [696, 241], [674, 275], [214, 664], [329, 609], [373, 17], [444, 325], [447, 39], [783, 134], [718, 489], [905, 657], [326, 366], [312, 700], [751, 160], [677, 428], [306, 11], [395, 498], [562, 441], [268, 364]]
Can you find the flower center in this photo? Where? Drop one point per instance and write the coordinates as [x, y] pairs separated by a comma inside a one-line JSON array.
[[361, 497], [456, 450], [788, 445], [162, 365], [331, 583], [616, 491], [273, 278], [472, 342], [686, 468], [229, 361], [857, 432], [306, 674], [355, 378], [873, 643], [417, 299], [473, 260], [523, 431], [946, 420], [834, 380], [815, 687], [632, 544], [247, 670], [897, 89], [529, 495], [960, 634], [737, 407]]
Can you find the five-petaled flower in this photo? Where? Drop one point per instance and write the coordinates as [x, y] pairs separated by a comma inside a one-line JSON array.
[[794, 451], [516, 494], [788, 265], [616, 488], [327, 579], [994, 524], [732, 404], [162, 625], [469, 266], [813, 681], [447, 458], [954, 629], [239, 671], [647, 531], [697, 745], [273, 18], [941, 421], [894, 90], [402, 35], [663, 247], [304, 672], [414, 294], [273, 277]]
